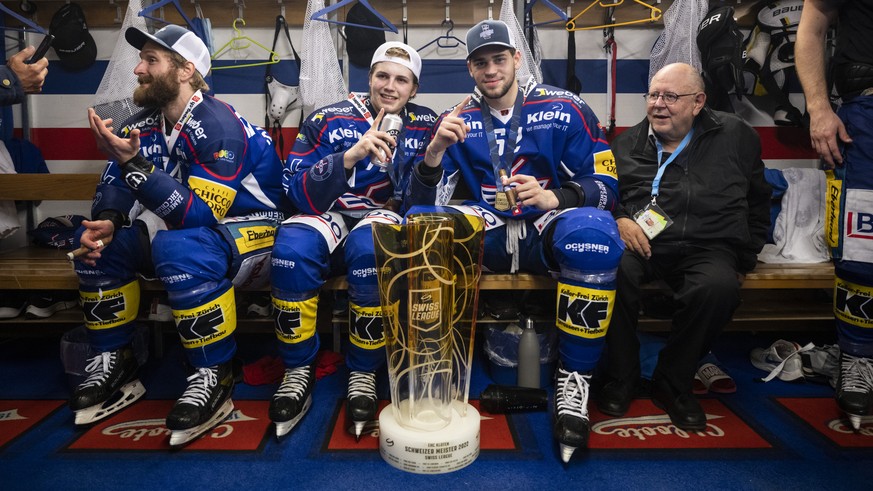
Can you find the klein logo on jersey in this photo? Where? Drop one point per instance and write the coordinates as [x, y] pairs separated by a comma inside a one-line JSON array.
[[344, 133], [225, 155], [853, 303], [604, 164], [218, 196], [550, 115], [149, 150], [584, 312]]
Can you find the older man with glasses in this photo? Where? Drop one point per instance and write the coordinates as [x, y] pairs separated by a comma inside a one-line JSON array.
[[694, 213]]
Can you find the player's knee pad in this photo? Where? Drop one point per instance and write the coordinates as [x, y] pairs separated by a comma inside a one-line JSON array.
[[208, 320], [110, 305], [586, 242], [187, 258], [295, 316], [301, 259]]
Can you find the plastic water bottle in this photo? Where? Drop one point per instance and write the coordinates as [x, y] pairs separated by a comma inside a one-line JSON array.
[[529, 356]]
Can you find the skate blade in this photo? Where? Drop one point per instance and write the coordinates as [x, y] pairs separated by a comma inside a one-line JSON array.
[[284, 427], [359, 428], [182, 437], [567, 452], [126, 395]]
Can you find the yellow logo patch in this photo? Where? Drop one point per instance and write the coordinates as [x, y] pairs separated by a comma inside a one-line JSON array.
[[295, 321], [208, 323], [106, 309], [853, 303], [367, 330], [218, 196], [584, 312], [255, 238], [832, 209], [604, 164]]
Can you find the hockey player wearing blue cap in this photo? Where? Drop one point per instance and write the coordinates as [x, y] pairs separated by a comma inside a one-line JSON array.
[[345, 173], [191, 194], [543, 178]]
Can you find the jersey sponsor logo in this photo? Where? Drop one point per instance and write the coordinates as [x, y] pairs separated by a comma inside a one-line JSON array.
[[106, 309], [208, 323], [555, 113], [367, 331], [833, 196], [195, 128], [295, 321], [584, 312], [218, 196], [424, 118], [170, 204], [225, 155], [474, 125], [604, 164], [337, 110], [343, 134], [853, 303], [542, 92], [149, 121], [254, 238], [148, 151], [322, 169]]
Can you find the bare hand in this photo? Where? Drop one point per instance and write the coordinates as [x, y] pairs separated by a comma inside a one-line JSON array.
[[452, 130], [633, 236], [102, 230], [528, 192], [118, 149], [31, 76], [377, 144], [824, 128]]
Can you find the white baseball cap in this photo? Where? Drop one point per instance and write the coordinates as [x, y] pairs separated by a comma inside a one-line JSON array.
[[177, 39], [413, 63]]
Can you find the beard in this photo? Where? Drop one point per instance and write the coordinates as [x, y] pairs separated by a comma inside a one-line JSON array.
[[497, 92], [160, 91]]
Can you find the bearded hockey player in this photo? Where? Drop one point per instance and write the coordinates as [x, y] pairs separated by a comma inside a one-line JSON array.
[[191, 194]]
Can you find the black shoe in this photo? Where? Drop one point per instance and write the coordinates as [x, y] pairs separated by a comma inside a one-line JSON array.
[[615, 397], [684, 410]]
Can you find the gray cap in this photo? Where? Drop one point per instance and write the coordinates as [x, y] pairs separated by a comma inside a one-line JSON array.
[[488, 33], [176, 39]]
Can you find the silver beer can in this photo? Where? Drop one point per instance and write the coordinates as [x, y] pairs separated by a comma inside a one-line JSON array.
[[391, 124]]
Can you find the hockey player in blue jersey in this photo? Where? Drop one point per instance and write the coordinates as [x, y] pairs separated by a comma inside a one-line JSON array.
[[544, 196], [344, 174], [191, 194]]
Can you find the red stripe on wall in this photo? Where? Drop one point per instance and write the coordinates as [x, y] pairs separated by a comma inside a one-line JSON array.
[[777, 142]]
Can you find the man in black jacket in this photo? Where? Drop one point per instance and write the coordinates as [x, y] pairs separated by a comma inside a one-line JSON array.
[[694, 213]]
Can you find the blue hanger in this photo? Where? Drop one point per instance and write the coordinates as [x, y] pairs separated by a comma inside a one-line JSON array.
[[29, 25], [388, 26], [151, 8], [562, 16]]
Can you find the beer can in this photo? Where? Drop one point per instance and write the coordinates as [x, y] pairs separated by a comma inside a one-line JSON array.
[[391, 124]]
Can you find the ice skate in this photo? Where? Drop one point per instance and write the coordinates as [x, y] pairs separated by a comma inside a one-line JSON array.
[[111, 386], [293, 399], [855, 387], [204, 404], [361, 405], [571, 412]]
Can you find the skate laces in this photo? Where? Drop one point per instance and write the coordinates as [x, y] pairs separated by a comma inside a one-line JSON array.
[[362, 384], [98, 368], [571, 394], [857, 374], [199, 385], [294, 383]]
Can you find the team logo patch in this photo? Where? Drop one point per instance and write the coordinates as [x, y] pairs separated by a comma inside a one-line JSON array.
[[584, 312], [322, 169], [142, 427], [853, 303], [496, 432], [17, 417], [645, 427], [106, 309], [135, 179], [295, 321], [218, 196], [604, 164], [207, 323], [823, 416]]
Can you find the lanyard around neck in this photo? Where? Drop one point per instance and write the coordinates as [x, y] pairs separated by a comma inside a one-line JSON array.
[[656, 183], [504, 161]]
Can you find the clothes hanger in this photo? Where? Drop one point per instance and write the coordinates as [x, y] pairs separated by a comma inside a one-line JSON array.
[[29, 25], [447, 40], [321, 15], [146, 11], [654, 15], [562, 16], [233, 45]]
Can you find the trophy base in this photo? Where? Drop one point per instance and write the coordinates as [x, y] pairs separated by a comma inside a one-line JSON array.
[[430, 452]]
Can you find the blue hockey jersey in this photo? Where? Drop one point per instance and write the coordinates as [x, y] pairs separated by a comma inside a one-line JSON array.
[[315, 179], [559, 140], [212, 165]]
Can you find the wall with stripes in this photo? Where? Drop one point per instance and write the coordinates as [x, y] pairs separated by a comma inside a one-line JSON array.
[[58, 115]]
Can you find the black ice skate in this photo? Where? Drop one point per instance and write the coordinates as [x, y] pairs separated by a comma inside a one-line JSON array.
[[855, 387], [204, 404], [571, 412], [111, 385], [361, 406], [293, 398]]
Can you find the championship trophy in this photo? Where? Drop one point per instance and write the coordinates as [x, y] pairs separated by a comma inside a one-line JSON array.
[[428, 285]]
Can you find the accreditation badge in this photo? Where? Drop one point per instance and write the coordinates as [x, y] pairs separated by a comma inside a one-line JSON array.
[[653, 220]]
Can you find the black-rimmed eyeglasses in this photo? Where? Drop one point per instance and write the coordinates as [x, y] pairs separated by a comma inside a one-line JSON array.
[[669, 97]]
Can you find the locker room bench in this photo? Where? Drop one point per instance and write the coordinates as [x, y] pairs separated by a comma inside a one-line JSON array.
[[788, 293]]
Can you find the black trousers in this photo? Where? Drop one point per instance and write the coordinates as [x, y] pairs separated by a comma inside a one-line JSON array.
[[706, 292]]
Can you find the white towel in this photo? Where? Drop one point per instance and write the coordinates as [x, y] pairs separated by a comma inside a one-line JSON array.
[[9, 223], [799, 231]]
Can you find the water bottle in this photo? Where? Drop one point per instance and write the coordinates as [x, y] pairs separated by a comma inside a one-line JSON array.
[[529, 356]]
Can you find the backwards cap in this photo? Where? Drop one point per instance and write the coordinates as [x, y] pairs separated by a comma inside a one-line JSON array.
[[413, 63], [176, 39]]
